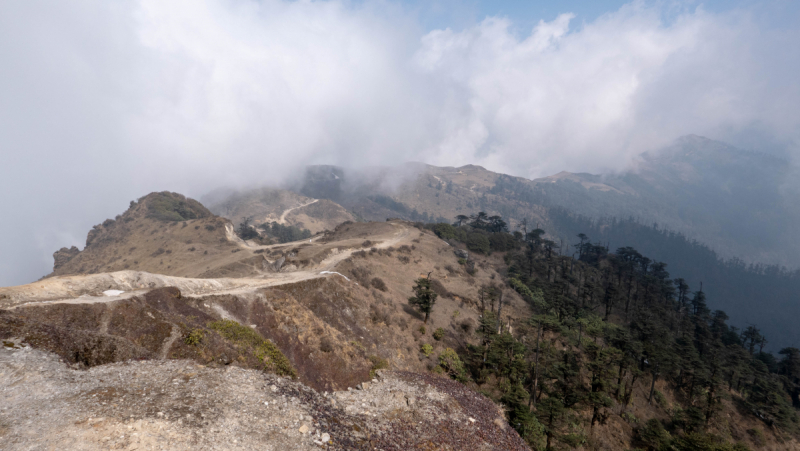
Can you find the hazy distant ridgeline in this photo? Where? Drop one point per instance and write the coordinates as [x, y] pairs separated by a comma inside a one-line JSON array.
[[739, 203]]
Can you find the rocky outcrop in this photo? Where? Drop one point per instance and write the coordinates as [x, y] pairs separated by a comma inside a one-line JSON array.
[[179, 404], [63, 255]]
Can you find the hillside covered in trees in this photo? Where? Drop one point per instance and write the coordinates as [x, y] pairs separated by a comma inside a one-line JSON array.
[[608, 325], [764, 296]]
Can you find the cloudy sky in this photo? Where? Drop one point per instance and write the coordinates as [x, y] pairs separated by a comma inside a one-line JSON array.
[[103, 102]]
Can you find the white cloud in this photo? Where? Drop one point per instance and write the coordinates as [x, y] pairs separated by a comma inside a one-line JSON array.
[[590, 98], [104, 102]]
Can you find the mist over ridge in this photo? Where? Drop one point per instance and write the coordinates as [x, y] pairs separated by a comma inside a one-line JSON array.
[[104, 103], [400, 224]]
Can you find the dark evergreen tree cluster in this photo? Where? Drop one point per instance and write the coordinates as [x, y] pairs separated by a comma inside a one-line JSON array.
[[403, 210], [284, 233], [480, 233], [767, 295], [246, 231], [626, 323]]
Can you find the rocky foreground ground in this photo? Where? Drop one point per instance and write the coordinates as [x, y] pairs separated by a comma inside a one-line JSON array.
[[178, 404]]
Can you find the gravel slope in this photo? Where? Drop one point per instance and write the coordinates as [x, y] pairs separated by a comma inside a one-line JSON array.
[[179, 405]]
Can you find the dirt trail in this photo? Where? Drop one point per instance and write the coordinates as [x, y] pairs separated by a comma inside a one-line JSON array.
[[230, 232], [174, 335], [87, 289], [282, 219]]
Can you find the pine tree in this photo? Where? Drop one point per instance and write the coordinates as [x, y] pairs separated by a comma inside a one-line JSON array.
[[424, 296]]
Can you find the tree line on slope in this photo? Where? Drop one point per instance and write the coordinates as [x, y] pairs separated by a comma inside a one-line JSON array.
[[624, 321], [271, 231], [756, 294]]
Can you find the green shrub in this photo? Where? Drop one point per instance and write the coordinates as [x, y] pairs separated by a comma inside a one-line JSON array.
[[438, 334], [661, 400], [548, 322], [285, 233], [426, 349], [653, 434], [535, 296], [697, 441], [451, 364], [444, 231], [629, 417], [477, 242], [502, 241], [264, 350], [377, 364], [194, 337], [245, 231], [422, 330]]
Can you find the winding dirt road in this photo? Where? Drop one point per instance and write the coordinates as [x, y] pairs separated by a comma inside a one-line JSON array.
[[80, 289], [282, 219]]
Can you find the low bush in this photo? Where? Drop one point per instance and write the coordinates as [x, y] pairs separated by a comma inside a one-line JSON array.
[[194, 337], [377, 364], [467, 325], [452, 365], [264, 350], [361, 275], [326, 345], [378, 284], [478, 242], [426, 350], [444, 231]]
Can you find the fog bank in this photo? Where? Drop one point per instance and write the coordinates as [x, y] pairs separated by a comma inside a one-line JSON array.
[[104, 102]]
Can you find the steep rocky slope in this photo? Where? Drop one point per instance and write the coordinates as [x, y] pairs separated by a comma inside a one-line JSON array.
[[180, 405], [164, 233]]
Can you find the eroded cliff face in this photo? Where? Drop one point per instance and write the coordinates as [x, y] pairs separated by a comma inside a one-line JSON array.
[[64, 255]]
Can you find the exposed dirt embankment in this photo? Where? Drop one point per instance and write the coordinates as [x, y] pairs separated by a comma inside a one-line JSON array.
[[180, 405], [164, 324]]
